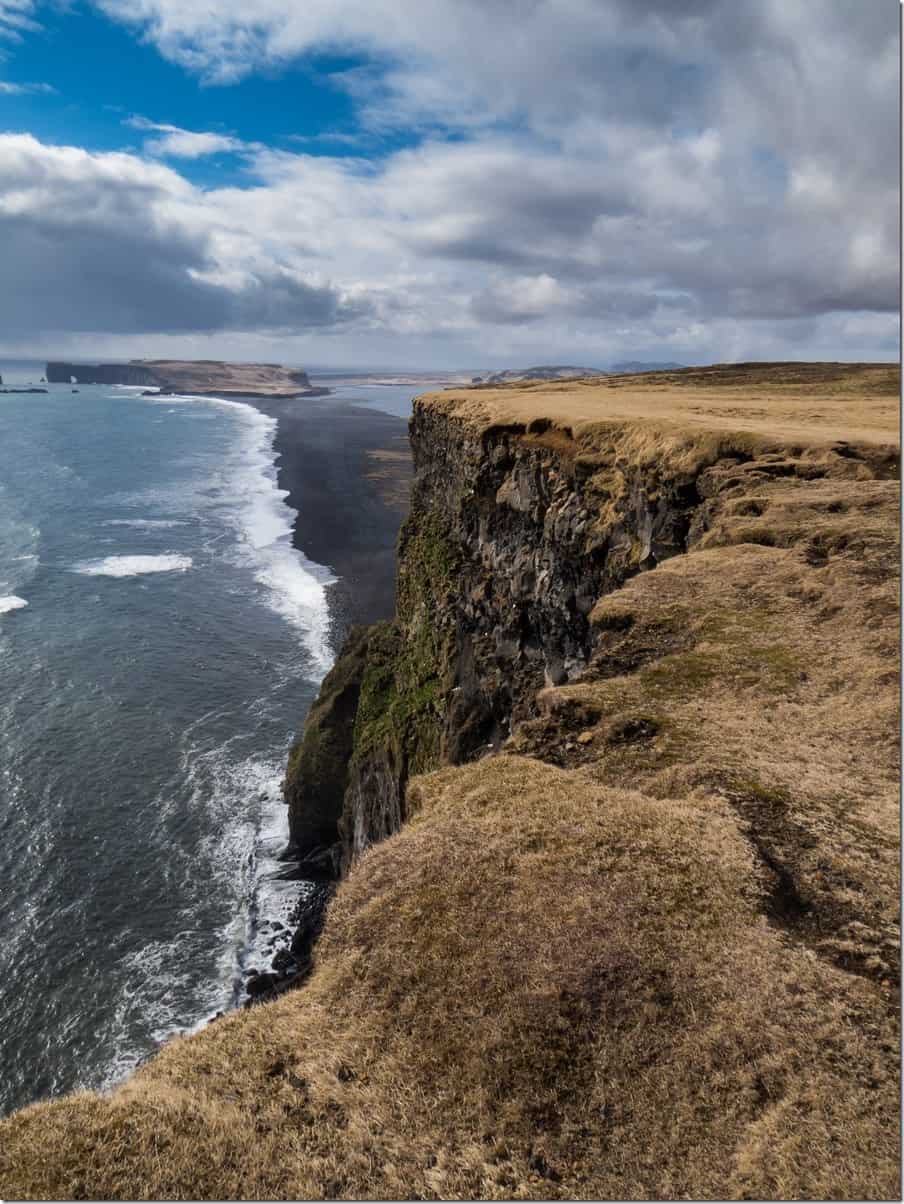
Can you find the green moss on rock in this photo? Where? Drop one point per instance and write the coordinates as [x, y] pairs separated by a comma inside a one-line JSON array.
[[406, 679], [317, 770]]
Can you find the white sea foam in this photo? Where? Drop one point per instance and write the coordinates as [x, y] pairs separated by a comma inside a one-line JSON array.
[[132, 566], [11, 602], [241, 849], [160, 994], [294, 586], [145, 523], [241, 795]]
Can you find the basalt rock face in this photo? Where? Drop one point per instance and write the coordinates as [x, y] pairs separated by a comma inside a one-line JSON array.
[[101, 374], [317, 773], [513, 535]]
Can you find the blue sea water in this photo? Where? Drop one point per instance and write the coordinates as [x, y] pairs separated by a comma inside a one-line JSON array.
[[160, 643], [389, 399]]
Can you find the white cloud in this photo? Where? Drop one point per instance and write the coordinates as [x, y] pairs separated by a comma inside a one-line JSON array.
[[18, 89], [715, 176], [16, 19], [111, 242], [176, 143], [522, 299]]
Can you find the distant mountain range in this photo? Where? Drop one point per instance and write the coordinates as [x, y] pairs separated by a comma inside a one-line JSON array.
[[540, 372], [570, 371]]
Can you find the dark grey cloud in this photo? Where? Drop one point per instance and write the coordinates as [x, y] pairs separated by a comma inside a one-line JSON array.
[[80, 279], [107, 243]]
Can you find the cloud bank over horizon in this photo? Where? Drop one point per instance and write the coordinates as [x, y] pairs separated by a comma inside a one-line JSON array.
[[566, 179]]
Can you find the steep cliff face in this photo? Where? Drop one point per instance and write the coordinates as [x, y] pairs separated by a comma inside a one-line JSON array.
[[513, 535], [101, 374], [515, 532]]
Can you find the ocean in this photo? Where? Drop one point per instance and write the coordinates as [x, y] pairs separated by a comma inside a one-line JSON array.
[[160, 643]]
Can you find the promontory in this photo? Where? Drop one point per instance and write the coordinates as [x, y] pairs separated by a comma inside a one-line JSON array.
[[190, 377], [615, 802]]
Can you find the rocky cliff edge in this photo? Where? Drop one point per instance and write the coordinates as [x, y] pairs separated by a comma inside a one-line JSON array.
[[615, 796]]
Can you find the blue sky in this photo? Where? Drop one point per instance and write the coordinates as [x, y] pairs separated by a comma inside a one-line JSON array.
[[101, 74], [450, 183]]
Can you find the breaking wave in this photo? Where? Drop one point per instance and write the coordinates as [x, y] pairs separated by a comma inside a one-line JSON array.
[[132, 566], [294, 587]]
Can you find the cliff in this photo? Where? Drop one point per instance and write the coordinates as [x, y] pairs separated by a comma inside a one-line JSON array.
[[616, 798], [58, 372], [191, 377], [520, 524]]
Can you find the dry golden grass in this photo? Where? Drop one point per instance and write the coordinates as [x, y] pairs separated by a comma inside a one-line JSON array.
[[762, 668], [818, 403], [541, 987], [651, 955]]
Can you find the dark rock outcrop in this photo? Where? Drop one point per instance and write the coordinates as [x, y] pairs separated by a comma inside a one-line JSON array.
[[318, 768], [100, 374]]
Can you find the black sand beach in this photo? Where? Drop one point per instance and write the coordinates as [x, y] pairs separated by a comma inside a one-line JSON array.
[[347, 470]]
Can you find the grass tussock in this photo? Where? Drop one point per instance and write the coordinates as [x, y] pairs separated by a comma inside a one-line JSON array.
[[542, 987]]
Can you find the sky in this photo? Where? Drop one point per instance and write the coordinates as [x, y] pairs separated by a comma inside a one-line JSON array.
[[449, 184]]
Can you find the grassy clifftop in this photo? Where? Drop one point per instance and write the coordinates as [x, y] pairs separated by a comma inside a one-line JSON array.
[[784, 402], [651, 948]]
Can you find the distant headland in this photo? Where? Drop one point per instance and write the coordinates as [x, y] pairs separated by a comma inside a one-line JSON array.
[[192, 377]]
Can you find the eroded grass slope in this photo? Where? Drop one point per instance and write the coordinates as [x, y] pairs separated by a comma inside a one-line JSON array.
[[542, 986]]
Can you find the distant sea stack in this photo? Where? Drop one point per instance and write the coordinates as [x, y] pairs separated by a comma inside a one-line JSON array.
[[191, 377]]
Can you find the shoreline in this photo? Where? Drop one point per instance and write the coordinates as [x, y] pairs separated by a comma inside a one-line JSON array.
[[345, 470], [229, 394]]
